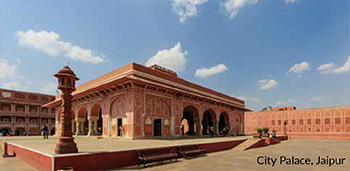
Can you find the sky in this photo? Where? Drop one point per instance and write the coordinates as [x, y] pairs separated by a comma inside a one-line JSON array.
[[265, 52]]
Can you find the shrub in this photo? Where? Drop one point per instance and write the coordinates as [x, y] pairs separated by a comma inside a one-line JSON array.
[[258, 130], [265, 130]]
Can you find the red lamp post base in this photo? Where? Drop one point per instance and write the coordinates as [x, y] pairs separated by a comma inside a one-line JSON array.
[[66, 145]]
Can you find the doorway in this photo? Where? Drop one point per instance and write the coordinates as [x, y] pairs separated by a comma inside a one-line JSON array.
[[157, 127], [120, 127]]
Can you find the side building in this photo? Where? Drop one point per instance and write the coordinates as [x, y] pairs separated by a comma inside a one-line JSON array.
[[21, 112], [135, 101], [327, 122]]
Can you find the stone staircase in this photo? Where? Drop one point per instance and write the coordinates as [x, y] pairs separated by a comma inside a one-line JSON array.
[[246, 144]]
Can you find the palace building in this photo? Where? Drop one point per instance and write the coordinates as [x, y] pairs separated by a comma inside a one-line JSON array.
[[21, 112], [135, 101], [327, 122]]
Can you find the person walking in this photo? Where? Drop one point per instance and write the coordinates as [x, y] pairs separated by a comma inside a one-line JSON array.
[[45, 131]]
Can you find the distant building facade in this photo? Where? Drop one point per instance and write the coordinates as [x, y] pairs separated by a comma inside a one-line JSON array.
[[328, 122], [135, 101], [21, 112]]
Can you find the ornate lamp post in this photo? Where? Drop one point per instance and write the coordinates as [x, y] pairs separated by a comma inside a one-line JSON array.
[[66, 83]]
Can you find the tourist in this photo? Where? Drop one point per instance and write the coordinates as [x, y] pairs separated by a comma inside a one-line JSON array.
[[183, 130], [45, 131], [273, 134], [224, 131], [211, 131], [120, 130]]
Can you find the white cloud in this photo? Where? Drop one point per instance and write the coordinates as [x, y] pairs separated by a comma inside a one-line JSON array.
[[290, 1], [266, 84], [326, 68], [7, 70], [330, 68], [49, 88], [12, 85], [173, 59], [299, 68], [248, 98], [49, 43], [285, 102], [231, 7], [316, 99], [186, 8], [343, 69], [207, 72]]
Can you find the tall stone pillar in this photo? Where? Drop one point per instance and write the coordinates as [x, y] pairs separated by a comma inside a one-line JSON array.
[[66, 83]]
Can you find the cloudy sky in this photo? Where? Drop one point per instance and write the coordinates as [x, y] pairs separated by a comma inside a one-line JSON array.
[[266, 52]]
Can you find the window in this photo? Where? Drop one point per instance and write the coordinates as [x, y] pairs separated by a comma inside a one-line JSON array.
[[293, 122], [347, 120], [273, 122], [337, 120], [317, 121], [309, 121], [301, 122], [279, 122], [327, 121], [62, 81]]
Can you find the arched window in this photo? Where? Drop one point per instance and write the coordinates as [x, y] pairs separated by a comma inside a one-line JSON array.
[[68, 82], [62, 81]]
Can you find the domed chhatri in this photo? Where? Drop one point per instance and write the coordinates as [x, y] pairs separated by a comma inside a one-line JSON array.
[[66, 79], [65, 71]]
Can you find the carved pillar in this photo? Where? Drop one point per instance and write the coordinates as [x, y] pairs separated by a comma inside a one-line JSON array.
[[66, 83]]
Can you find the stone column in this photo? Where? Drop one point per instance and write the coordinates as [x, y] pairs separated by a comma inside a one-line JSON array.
[[108, 125], [77, 127], [73, 126], [172, 126], [95, 127], [90, 128]]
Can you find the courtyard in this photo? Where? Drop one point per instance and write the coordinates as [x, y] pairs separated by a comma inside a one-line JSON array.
[[224, 160]]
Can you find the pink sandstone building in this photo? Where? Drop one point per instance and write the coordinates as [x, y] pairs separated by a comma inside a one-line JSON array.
[[21, 112], [135, 101], [329, 122]]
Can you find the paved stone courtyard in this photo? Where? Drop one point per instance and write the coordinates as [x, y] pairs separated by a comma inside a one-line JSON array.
[[233, 160], [91, 144]]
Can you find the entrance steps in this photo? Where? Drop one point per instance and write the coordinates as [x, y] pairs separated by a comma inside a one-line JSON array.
[[246, 144]]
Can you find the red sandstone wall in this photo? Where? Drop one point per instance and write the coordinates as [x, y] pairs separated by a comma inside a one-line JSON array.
[[332, 122]]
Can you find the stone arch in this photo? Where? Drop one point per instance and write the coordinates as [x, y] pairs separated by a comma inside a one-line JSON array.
[[83, 119], [96, 119], [224, 122], [159, 111], [5, 130], [52, 132], [117, 114], [209, 120], [191, 116], [20, 131]]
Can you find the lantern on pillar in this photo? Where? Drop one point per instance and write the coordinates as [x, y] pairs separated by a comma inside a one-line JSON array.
[[66, 83]]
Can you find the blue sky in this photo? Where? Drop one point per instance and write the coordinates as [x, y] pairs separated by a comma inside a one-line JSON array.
[[268, 53]]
